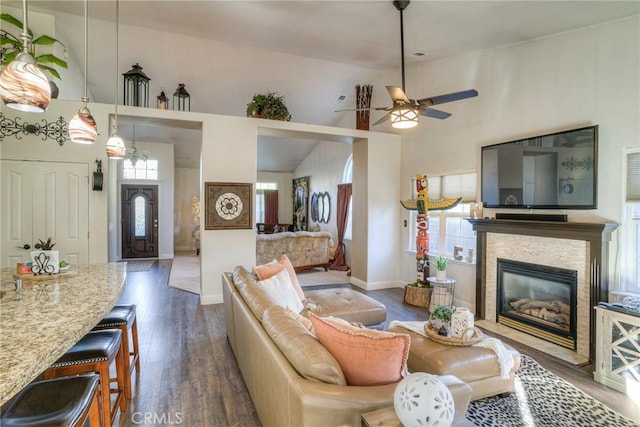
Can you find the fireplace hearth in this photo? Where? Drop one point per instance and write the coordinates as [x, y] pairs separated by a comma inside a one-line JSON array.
[[538, 300]]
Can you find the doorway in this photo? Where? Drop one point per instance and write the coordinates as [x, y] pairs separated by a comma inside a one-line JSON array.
[[139, 221]]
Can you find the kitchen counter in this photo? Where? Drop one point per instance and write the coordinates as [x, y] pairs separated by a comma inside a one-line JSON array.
[[39, 324]]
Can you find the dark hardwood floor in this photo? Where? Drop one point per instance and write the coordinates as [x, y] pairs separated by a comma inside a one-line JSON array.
[[189, 375]]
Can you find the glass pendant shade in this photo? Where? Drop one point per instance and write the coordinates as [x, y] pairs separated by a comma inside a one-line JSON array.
[[23, 86], [115, 147], [404, 117], [82, 127]]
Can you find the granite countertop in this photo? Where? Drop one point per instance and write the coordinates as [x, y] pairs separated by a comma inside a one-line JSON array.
[[48, 317]]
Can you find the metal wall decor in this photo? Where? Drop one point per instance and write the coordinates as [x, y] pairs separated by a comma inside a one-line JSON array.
[[320, 207], [52, 130], [228, 205], [136, 87]]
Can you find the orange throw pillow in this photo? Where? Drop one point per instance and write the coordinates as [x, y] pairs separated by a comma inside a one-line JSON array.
[[265, 271], [366, 356]]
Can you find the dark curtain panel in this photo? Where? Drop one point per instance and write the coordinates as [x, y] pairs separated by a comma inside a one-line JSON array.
[[271, 206], [344, 197]]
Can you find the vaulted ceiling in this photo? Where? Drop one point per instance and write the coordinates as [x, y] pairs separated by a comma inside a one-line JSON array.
[[312, 52]]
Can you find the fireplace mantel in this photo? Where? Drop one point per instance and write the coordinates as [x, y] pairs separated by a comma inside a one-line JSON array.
[[597, 235]]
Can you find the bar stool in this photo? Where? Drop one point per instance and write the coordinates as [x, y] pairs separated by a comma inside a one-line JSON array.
[[94, 353], [123, 317], [61, 402]]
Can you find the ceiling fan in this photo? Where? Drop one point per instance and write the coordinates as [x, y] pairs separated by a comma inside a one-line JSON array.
[[405, 111]]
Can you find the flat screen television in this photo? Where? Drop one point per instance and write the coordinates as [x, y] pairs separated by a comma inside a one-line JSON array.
[[554, 171]]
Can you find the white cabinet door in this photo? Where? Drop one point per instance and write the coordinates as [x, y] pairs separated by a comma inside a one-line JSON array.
[[41, 200]]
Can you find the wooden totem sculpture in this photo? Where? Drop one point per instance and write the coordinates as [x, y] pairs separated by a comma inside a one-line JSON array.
[[423, 205]]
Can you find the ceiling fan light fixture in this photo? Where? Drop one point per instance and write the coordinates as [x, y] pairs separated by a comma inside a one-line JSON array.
[[404, 117]]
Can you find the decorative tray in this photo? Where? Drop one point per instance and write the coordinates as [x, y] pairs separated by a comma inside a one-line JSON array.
[[470, 337]]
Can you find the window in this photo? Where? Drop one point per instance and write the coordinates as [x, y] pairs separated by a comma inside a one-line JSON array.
[[143, 169], [260, 187], [347, 176], [448, 229], [140, 226], [630, 230]]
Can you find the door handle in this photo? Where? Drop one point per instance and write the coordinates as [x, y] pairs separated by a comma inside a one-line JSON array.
[[25, 246]]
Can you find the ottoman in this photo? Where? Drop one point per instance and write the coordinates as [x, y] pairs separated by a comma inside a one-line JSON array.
[[346, 304], [477, 366]]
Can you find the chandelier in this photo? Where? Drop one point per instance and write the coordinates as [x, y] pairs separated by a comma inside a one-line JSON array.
[[133, 155]]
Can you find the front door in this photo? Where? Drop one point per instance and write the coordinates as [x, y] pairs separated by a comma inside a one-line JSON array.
[[139, 221], [41, 200]]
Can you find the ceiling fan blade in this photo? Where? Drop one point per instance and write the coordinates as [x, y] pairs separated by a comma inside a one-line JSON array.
[[397, 94], [449, 97], [436, 114], [381, 119], [363, 109]]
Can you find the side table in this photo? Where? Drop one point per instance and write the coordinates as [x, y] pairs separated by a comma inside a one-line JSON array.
[[387, 418], [442, 293]]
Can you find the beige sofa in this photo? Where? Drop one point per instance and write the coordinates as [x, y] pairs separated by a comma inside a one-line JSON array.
[[281, 396], [305, 249]]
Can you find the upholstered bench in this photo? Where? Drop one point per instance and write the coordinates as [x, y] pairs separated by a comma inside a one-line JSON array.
[[347, 304], [477, 366]]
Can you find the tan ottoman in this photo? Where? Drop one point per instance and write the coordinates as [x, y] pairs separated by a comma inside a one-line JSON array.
[[477, 366], [346, 304]]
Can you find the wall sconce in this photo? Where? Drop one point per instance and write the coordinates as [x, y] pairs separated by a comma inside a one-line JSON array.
[[181, 99], [136, 87], [163, 101]]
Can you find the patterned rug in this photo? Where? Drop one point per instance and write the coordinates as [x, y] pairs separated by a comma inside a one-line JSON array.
[[543, 399], [144, 265]]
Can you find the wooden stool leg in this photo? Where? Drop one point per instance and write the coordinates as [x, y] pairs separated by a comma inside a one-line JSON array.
[[94, 412], [126, 361], [121, 375], [105, 393], [136, 351]]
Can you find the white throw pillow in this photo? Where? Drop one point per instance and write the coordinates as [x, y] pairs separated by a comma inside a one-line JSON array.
[[279, 289]]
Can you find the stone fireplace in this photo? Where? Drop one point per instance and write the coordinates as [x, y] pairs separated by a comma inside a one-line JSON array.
[[579, 248]]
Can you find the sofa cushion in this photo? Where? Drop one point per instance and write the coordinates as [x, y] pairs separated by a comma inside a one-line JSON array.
[[304, 321], [265, 271], [280, 290], [254, 297], [305, 353], [366, 356]]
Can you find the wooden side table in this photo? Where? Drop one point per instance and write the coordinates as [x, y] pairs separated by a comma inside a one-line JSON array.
[[387, 418]]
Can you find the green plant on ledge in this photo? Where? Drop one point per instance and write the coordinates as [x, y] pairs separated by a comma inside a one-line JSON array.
[[420, 285], [441, 263], [268, 106], [11, 46]]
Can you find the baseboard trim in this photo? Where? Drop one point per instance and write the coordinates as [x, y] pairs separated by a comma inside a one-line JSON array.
[[211, 299], [374, 286]]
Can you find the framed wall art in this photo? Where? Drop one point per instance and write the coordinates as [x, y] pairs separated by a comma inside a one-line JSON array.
[[228, 205], [301, 203]]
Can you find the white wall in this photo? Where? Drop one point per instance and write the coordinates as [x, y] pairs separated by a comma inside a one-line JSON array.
[[284, 180], [584, 77], [187, 185]]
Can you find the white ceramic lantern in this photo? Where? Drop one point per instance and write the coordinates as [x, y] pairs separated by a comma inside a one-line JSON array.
[[423, 400], [461, 320]]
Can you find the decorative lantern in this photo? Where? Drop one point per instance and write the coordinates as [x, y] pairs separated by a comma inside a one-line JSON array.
[[181, 99], [461, 322], [136, 87], [163, 101]]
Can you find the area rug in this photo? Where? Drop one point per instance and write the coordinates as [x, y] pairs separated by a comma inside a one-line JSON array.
[[543, 399], [185, 273], [321, 277], [143, 265]]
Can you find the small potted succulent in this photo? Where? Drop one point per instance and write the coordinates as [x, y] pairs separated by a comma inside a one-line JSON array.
[[440, 319], [268, 106], [441, 263]]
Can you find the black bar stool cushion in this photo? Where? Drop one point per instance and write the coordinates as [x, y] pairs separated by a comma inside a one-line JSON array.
[[119, 315], [57, 402], [96, 346]]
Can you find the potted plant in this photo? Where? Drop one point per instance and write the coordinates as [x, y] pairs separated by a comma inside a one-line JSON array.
[[268, 106], [44, 259], [441, 268], [11, 46], [440, 318], [418, 294]]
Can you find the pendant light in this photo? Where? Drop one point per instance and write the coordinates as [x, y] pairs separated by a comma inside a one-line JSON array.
[[23, 86], [82, 127], [115, 145]]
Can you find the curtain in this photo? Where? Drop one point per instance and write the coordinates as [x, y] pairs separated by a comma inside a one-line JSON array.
[[344, 196], [271, 206]]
